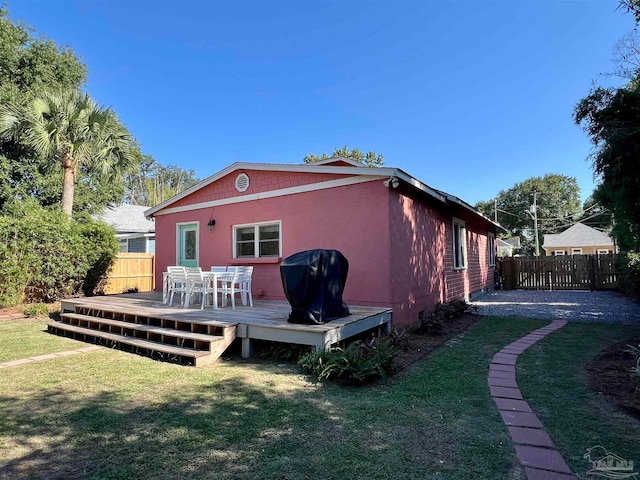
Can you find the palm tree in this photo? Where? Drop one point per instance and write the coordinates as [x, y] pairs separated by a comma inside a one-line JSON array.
[[68, 127]]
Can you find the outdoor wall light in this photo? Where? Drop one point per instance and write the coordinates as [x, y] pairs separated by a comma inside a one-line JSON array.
[[393, 181], [211, 224]]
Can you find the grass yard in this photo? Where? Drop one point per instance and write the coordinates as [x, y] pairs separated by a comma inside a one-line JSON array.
[[112, 415], [25, 338], [551, 375]]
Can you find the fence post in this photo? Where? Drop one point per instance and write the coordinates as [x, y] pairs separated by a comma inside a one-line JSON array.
[[592, 272]]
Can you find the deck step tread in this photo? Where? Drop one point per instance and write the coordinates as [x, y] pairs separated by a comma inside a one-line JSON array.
[[137, 342], [161, 315], [145, 328]]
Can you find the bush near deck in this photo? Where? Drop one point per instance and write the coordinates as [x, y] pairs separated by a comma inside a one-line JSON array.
[[45, 256]]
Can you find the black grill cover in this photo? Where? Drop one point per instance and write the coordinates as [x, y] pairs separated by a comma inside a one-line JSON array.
[[313, 282]]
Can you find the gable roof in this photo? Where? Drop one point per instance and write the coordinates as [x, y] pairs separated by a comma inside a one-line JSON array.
[[579, 235], [335, 165], [513, 241], [128, 218]]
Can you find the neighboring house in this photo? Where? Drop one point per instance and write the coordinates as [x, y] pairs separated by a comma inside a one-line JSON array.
[[135, 232], [409, 246], [508, 246], [579, 239]]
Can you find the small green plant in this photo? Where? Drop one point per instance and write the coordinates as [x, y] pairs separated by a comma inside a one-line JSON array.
[[356, 364], [130, 290], [283, 351], [36, 310], [434, 322], [399, 339]]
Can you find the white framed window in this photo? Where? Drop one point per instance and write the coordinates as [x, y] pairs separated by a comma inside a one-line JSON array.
[[491, 239], [257, 240], [459, 245], [576, 251], [603, 252], [558, 253]]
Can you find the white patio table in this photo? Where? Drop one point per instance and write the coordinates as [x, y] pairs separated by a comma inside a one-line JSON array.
[[214, 278]]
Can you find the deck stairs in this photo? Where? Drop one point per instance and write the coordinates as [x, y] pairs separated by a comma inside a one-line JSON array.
[[181, 340]]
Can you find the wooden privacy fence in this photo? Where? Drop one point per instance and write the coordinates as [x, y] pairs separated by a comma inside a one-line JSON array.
[[575, 272], [131, 271]]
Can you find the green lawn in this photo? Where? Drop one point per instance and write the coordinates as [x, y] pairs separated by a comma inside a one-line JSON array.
[[112, 415], [552, 378], [26, 338]]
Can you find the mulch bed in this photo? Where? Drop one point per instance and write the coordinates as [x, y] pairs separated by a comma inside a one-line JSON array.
[[420, 345], [610, 375]]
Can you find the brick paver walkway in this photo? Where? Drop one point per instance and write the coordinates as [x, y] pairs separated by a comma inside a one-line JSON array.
[[48, 356], [534, 447]]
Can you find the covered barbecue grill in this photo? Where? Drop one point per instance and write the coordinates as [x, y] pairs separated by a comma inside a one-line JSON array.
[[313, 282]]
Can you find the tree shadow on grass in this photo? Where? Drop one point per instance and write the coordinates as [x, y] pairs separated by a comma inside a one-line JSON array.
[[212, 432]]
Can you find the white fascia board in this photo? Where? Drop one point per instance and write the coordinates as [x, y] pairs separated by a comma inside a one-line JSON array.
[[341, 182], [463, 204], [338, 159], [273, 167]]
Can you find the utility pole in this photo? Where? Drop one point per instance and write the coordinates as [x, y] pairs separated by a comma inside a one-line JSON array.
[[535, 222], [495, 210], [533, 213]]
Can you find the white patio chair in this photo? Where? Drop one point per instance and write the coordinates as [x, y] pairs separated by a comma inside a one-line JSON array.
[[245, 285], [218, 269], [239, 282], [177, 282], [197, 285]]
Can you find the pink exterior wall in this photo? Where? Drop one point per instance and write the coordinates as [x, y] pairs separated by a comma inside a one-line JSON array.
[[259, 182], [422, 272], [400, 248], [351, 219]]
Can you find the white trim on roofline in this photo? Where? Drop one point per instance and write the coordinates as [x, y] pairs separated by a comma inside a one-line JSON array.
[[341, 182], [361, 174], [338, 159], [378, 172]]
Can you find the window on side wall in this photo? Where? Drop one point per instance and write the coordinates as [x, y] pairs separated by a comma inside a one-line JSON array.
[[491, 239], [257, 240], [459, 245], [558, 253]]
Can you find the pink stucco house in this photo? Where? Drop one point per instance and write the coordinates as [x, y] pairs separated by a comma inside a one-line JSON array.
[[409, 246]]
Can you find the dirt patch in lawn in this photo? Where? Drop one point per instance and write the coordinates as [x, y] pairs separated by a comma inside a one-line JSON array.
[[610, 375], [17, 312], [11, 313], [420, 345]]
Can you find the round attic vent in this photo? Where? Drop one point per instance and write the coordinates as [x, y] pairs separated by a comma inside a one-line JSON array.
[[242, 182]]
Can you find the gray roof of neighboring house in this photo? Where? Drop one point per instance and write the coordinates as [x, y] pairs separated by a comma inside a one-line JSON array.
[[579, 235], [504, 243], [128, 218], [513, 241]]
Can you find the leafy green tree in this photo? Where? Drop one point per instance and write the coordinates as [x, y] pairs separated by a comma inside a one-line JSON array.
[[558, 206], [370, 158], [595, 215], [68, 128], [28, 65], [153, 183], [610, 118]]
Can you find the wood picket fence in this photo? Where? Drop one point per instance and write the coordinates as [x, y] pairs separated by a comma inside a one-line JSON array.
[[131, 271], [570, 272]]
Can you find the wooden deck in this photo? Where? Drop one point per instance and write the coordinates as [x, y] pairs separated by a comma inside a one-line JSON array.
[[142, 322]]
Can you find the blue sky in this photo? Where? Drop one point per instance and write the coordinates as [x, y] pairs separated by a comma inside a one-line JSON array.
[[468, 96]]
